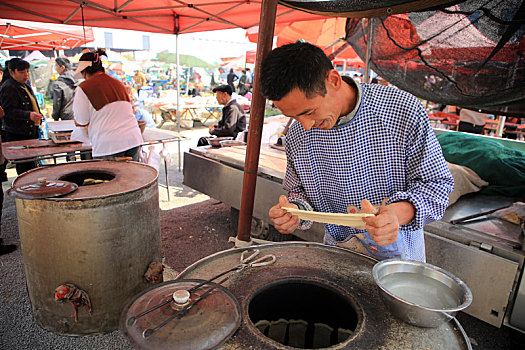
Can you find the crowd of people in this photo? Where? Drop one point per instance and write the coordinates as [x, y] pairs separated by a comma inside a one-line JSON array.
[[105, 107]]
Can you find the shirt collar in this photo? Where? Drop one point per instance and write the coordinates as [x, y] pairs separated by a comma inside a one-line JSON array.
[[347, 118]]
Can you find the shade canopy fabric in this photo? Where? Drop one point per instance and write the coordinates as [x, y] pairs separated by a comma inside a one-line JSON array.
[[470, 55], [365, 9], [22, 35], [157, 16]]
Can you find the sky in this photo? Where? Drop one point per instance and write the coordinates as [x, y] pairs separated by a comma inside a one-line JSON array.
[[208, 46]]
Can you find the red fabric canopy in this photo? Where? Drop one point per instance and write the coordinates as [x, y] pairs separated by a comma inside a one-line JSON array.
[[21, 35], [321, 32], [157, 16]]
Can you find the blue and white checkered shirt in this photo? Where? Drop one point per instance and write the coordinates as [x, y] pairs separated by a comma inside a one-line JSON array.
[[388, 150]]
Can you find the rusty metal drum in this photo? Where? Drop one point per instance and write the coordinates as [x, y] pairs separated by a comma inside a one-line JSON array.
[[97, 242], [313, 296]]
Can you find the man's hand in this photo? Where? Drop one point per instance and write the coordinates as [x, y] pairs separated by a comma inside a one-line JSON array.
[[384, 226], [36, 117], [211, 128], [283, 221]]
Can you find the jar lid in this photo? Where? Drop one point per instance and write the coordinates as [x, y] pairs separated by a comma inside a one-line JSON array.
[[43, 189], [206, 325]]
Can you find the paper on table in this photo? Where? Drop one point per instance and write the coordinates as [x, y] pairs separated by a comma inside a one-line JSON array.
[[351, 220], [80, 134]]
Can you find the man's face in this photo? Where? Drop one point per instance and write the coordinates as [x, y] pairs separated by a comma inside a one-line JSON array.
[[320, 112], [221, 97], [60, 69], [22, 76]]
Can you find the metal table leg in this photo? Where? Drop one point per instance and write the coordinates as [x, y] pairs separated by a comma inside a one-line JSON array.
[[178, 144], [167, 180]]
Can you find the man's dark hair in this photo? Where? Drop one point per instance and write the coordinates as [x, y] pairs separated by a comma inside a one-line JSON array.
[[298, 65], [96, 59], [18, 64]]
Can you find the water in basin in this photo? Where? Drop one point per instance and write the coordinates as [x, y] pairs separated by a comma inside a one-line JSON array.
[[420, 290]]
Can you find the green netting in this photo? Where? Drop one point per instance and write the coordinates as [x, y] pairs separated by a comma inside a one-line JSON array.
[[503, 168]]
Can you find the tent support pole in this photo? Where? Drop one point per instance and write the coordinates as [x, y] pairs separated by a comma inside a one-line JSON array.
[[369, 49], [178, 81], [264, 46]]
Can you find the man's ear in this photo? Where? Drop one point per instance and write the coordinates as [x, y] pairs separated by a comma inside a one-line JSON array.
[[333, 79]]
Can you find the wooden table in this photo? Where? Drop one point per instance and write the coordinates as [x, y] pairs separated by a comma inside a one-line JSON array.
[[36, 149], [189, 113]]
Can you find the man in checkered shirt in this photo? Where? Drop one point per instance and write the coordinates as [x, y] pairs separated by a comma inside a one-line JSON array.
[[355, 145]]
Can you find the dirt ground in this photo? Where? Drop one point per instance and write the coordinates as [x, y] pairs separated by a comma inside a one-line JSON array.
[[195, 231]]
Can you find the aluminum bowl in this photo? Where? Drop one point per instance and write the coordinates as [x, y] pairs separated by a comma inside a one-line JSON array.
[[421, 294]]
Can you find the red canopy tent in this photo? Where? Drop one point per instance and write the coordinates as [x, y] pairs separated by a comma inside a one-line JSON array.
[[158, 16], [22, 35], [327, 33], [250, 56]]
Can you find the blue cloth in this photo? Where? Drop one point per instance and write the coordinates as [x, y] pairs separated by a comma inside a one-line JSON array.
[[142, 114], [388, 150]]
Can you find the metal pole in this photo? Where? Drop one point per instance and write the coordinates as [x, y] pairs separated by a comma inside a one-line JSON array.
[[369, 49], [264, 45], [178, 82], [177, 79]]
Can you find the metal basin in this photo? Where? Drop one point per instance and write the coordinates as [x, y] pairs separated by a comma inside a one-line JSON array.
[[420, 294]]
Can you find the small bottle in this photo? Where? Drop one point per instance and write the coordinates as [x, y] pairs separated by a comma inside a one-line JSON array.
[[42, 130]]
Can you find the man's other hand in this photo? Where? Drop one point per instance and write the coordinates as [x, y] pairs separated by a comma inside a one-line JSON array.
[[283, 221], [384, 226]]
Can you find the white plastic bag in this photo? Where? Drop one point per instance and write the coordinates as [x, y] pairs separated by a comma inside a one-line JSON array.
[[165, 153], [153, 159]]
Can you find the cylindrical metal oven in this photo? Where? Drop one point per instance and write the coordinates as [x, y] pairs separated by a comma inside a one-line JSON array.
[[313, 296], [100, 238]]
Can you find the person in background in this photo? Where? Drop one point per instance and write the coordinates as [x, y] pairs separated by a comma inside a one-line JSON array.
[[3, 165], [102, 104], [140, 80], [249, 77], [4, 248], [233, 119], [351, 145], [22, 113], [63, 90], [231, 78], [242, 84], [142, 114], [471, 121]]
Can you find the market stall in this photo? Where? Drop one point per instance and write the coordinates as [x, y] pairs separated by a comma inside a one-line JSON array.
[[471, 250]]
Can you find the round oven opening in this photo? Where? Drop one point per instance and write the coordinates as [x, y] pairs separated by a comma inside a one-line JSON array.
[[86, 178], [304, 314]]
